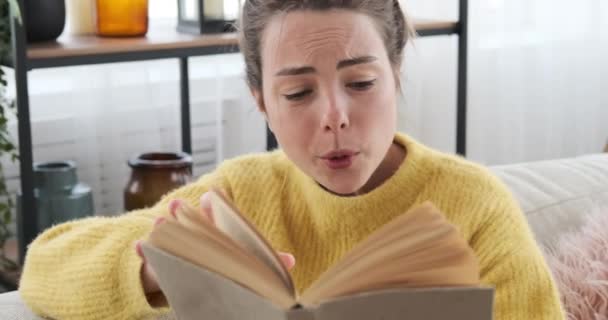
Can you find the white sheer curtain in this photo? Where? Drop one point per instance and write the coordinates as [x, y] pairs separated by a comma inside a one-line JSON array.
[[537, 79], [101, 115], [537, 90]]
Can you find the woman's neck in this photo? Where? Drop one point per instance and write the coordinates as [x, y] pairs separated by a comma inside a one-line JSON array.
[[394, 158], [390, 164]]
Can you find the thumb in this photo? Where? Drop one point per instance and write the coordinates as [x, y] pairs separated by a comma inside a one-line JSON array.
[[288, 260], [147, 274]]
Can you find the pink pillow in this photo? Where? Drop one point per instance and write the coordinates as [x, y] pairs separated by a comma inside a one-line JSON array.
[[579, 262]]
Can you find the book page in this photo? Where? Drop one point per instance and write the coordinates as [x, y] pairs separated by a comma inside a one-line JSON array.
[[229, 220], [417, 249], [212, 250]]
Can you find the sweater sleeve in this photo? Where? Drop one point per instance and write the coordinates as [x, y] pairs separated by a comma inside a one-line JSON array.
[[88, 269], [511, 261]]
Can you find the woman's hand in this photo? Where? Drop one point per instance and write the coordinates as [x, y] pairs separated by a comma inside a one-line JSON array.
[[149, 279]]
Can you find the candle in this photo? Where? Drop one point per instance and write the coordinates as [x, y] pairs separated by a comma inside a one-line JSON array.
[[232, 9], [189, 10], [80, 16], [214, 9]]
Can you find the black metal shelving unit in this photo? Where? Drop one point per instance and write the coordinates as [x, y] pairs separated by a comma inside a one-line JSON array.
[[169, 44]]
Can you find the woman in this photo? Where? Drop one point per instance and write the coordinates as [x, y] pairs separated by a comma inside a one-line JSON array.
[[325, 74]]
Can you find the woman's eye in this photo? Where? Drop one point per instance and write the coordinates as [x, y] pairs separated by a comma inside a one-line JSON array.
[[361, 85], [298, 95]]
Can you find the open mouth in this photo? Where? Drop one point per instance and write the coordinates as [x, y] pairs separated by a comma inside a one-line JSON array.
[[339, 159]]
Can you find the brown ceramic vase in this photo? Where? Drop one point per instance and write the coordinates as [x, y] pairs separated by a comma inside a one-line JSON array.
[[153, 175]]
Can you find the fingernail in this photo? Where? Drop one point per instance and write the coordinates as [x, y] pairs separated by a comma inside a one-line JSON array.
[[173, 206], [159, 221], [138, 248], [288, 260], [205, 203], [206, 207], [291, 258], [205, 198]]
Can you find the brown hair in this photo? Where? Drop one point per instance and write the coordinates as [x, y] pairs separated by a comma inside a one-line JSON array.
[[387, 14]]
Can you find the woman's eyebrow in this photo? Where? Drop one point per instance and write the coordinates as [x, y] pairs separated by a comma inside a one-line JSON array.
[[355, 61], [294, 71]]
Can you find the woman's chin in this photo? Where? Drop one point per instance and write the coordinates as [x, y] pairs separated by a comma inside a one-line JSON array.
[[343, 182], [343, 189]]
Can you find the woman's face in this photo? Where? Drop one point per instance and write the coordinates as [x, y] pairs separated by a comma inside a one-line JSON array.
[[329, 95]]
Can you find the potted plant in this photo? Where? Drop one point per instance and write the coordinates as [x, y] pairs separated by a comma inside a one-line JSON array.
[[8, 8]]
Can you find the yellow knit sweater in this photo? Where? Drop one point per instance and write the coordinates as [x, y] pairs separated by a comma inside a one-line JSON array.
[[88, 269]]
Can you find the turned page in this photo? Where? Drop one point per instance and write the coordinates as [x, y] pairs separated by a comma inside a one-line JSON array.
[[417, 249], [229, 220], [202, 244]]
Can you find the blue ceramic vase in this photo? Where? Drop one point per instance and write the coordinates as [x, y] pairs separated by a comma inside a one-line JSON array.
[[59, 195]]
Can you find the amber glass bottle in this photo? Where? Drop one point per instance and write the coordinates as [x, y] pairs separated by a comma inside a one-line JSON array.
[[122, 18]]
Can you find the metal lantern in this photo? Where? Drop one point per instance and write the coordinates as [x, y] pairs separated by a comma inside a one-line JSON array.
[[207, 16]]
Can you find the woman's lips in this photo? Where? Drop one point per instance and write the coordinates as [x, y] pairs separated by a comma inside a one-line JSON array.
[[339, 159]]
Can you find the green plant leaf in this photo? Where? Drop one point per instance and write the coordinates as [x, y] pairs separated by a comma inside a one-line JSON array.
[[8, 9], [15, 12], [8, 217]]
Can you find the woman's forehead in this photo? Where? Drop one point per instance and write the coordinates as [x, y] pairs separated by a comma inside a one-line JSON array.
[[308, 36]]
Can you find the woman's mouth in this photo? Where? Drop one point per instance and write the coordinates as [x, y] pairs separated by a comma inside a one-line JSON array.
[[339, 159]]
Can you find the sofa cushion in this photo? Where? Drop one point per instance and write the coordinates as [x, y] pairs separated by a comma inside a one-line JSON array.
[[579, 262], [554, 194], [12, 308]]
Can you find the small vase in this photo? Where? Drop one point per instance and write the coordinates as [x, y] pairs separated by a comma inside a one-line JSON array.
[[153, 175], [122, 18], [59, 196], [45, 19]]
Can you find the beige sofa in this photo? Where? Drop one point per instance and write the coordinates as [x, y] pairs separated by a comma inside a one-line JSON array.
[[555, 195]]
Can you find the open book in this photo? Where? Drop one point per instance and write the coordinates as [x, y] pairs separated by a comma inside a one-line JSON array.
[[415, 267]]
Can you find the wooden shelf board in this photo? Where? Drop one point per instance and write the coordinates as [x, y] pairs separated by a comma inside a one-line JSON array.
[[160, 37], [428, 24]]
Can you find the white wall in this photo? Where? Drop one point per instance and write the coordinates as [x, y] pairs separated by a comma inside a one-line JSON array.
[[537, 91]]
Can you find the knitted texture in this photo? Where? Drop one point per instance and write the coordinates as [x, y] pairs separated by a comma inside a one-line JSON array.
[[88, 269]]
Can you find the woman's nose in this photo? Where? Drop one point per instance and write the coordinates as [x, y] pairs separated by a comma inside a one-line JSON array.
[[335, 117]]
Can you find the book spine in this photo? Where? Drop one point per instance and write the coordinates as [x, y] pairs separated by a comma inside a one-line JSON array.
[[300, 314]]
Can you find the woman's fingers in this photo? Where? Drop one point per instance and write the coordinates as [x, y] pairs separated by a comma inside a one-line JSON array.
[[140, 253], [288, 260], [206, 208], [159, 220], [173, 206], [178, 204], [148, 276], [149, 280]]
